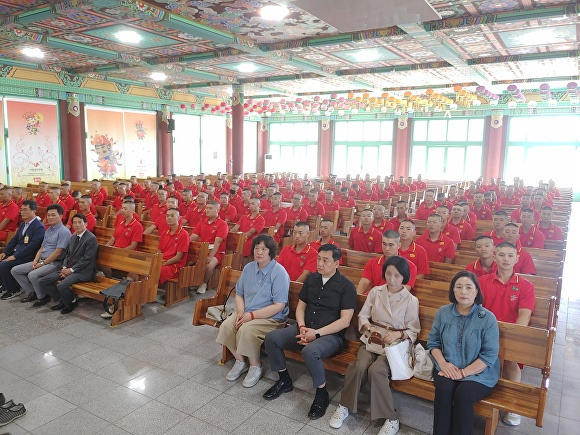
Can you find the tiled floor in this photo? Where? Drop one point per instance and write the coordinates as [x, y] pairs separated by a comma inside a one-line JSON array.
[[159, 374]]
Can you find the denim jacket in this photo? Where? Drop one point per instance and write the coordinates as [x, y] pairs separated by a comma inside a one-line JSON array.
[[463, 339]]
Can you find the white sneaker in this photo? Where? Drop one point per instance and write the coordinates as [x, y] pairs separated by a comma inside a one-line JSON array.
[[391, 427], [201, 289], [236, 371], [511, 419], [338, 417], [253, 376], [106, 315]]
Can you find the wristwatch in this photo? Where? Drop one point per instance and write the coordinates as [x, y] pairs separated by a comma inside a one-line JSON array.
[[317, 333], [42, 262]]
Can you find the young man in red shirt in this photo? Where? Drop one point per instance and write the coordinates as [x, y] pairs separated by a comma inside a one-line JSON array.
[[186, 202], [368, 194], [530, 235], [197, 213], [9, 213], [159, 225], [159, 208], [276, 217], [299, 259], [481, 211], [365, 238], [314, 207], [438, 246], [379, 222], [400, 214], [345, 200], [17, 196], [383, 192], [122, 193], [373, 275], [465, 230], [43, 199], [329, 203], [511, 299], [243, 206], [66, 197], [421, 185], [213, 230], [174, 245], [54, 194], [491, 201], [326, 232], [251, 224], [500, 219], [449, 230], [526, 202], [485, 262], [510, 198], [85, 209], [227, 212], [266, 202], [296, 212], [550, 231], [525, 263], [401, 187], [427, 207], [469, 216]]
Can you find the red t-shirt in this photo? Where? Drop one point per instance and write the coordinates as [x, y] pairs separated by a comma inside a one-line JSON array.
[[296, 215], [439, 249], [484, 213], [423, 211], [184, 207], [505, 300], [43, 200], [452, 232], [396, 222], [137, 189], [171, 244], [195, 215], [477, 269], [465, 230], [417, 254], [516, 215], [246, 223], [364, 196], [525, 263], [532, 239], [161, 224], [496, 239], [157, 211], [349, 203], [553, 232], [271, 218], [296, 262], [372, 241], [405, 188], [229, 212], [12, 212], [514, 200], [373, 271], [242, 209], [314, 210], [208, 231], [125, 234], [331, 206], [385, 225], [120, 218]]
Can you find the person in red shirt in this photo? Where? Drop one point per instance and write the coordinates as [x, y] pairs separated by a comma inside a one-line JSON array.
[[553, 189], [197, 213], [550, 231], [314, 207], [411, 184], [379, 222], [530, 236], [539, 200], [299, 259], [421, 185], [243, 206], [491, 201], [296, 212], [276, 217], [54, 194], [411, 250], [186, 202], [500, 219], [526, 202], [465, 230], [441, 200], [213, 230], [251, 224], [449, 230], [365, 238], [122, 193], [235, 196], [438, 246], [525, 263], [345, 200], [150, 197], [368, 194], [485, 262], [174, 245], [326, 232], [159, 208], [177, 183], [255, 190], [400, 214], [95, 193], [427, 207], [401, 187], [383, 192], [373, 273], [172, 191], [135, 187], [43, 199], [329, 203], [266, 202], [9, 213], [84, 205], [159, 225], [469, 216], [510, 198], [66, 197], [226, 212], [481, 211], [17, 196], [511, 299], [129, 231], [452, 196]]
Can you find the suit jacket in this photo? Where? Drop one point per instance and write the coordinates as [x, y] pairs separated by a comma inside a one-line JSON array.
[[82, 257], [25, 246]]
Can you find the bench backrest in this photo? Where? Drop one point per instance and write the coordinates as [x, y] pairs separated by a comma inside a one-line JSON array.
[[356, 259]]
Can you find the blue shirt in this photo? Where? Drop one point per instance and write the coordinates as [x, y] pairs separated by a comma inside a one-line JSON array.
[[55, 237], [261, 288], [463, 339]]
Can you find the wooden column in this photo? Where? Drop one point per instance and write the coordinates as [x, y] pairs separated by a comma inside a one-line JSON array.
[[72, 122]]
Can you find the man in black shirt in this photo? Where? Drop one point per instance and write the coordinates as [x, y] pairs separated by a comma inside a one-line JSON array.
[[325, 308]]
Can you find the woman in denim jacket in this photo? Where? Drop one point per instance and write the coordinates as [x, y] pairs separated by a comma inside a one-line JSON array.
[[464, 344]]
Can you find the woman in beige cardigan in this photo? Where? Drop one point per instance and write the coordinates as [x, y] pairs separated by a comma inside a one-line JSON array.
[[389, 305]]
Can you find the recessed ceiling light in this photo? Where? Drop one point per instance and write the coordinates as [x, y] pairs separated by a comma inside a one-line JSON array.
[[33, 52], [366, 55], [247, 67], [158, 76], [274, 13], [128, 36]]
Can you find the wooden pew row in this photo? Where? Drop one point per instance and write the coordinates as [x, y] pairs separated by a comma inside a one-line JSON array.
[[528, 345]]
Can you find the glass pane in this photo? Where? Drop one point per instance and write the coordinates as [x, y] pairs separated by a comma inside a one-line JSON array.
[[473, 162], [288, 133], [457, 130], [476, 127], [387, 131], [517, 129], [455, 163], [419, 155], [540, 129], [419, 131], [565, 128], [353, 163], [286, 157], [437, 130], [311, 131], [311, 160], [370, 161], [300, 159], [250, 146], [275, 130], [186, 142], [435, 163], [385, 166], [339, 159], [372, 131], [213, 144], [513, 162], [355, 131], [275, 151], [340, 130]]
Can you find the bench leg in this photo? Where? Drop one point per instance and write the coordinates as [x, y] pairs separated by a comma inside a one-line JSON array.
[[226, 355], [174, 293], [126, 313], [492, 422]]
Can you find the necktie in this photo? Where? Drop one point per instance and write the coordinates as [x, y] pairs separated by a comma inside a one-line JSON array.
[[75, 244]]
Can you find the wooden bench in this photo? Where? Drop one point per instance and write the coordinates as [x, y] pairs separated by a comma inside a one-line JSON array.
[[142, 291]]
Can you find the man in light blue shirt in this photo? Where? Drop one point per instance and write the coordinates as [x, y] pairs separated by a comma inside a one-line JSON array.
[[54, 244]]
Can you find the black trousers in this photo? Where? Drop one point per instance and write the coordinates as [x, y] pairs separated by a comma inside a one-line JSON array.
[[454, 405]]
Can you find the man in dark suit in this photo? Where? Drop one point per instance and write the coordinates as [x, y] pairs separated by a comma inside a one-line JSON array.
[[78, 265], [21, 248]]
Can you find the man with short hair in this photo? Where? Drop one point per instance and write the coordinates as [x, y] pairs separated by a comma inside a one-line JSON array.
[[197, 213], [159, 225], [266, 202], [213, 230], [17, 196], [400, 214], [401, 187], [21, 248], [485, 262], [78, 265], [66, 197], [368, 194], [411, 250], [122, 192], [438, 246], [9, 213], [379, 222], [481, 211], [526, 202], [345, 200], [469, 216], [491, 201], [297, 212], [465, 230], [326, 231], [314, 207], [372, 274], [329, 203], [530, 235], [547, 227], [525, 263], [135, 187], [251, 225], [174, 245], [50, 254], [365, 238], [84, 204], [427, 207], [186, 202], [449, 230], [54, 194], [500, 219], [227, 212], [326, 304], [299, 259], [243, 206], [159, 207], [129, 231], [43, 199], [510, 198], [151, 198], [276, 217]]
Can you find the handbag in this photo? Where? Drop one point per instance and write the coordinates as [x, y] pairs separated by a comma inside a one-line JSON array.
[[422, 363], [221, 312], [398, 356], [374, 341], [115, 292]]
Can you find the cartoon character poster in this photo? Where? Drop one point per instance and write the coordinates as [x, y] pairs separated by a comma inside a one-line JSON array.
[[105, 144], [140, 144], [33, 142]]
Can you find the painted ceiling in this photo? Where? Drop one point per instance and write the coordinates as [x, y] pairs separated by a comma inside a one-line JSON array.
[[199, 45]]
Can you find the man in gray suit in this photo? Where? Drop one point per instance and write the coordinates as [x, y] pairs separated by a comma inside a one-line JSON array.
[[78, 265]]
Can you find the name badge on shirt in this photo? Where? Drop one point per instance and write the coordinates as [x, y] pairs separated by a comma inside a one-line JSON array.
[[26, 239], [514, 288]]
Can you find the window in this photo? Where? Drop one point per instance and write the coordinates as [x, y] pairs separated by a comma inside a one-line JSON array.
[[362, 147], [294, 148], [186, 144], [447, 149], [250, 147], [213, 144], [544, 147]]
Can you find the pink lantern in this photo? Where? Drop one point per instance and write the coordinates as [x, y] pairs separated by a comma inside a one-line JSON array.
[[193, 105], [182, 106], [223, 104]]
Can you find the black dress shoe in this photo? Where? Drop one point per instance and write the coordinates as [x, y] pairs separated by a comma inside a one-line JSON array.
[[69, 308], [58, 306], [30, 298], [278, 388], [40, 302], [319, 406]]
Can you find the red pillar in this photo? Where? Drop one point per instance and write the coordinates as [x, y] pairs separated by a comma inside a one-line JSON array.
[[72, 121], [494, 146], [263, 144], [164, 148], [237, 129], [325, 144], [401, 147]]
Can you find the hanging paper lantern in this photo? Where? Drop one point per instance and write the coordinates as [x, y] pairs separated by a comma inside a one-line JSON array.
[[193, 106], [350, 95], [182, 106]]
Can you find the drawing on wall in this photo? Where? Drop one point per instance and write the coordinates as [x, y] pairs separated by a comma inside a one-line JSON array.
[[108, 157], [140, 130], [33, 121]]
